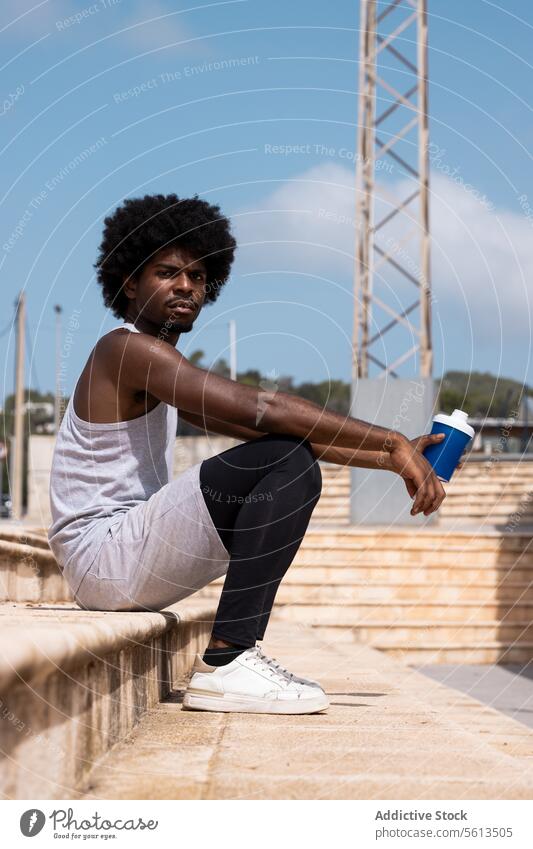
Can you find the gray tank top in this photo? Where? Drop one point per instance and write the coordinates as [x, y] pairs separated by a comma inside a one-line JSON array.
[[100, 470]]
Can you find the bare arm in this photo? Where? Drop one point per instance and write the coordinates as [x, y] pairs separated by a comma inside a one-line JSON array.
[[328, 453], [156, 367], [353, 457], [209, 424]]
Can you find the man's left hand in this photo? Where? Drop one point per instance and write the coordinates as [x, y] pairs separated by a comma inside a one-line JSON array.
[[420, 443]]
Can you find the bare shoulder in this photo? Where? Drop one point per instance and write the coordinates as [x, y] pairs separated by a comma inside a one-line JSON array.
[[134, 356], [130, 344]]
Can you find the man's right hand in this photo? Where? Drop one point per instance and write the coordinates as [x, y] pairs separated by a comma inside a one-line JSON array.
[[420, 479]]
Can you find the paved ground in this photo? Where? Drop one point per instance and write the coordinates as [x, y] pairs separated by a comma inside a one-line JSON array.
[[389, 732], [506, 688]]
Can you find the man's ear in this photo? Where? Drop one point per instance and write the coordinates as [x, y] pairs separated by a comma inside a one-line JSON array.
[[129, 286]]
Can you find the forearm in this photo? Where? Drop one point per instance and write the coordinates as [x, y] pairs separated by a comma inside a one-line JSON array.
[[254, 412], [352, 457], [328, 453], [210, 424], [343, 456], [286, 413], [171, 378]]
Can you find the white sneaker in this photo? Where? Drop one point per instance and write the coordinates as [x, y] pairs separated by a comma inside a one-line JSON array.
[[310, 682], [250, 684]]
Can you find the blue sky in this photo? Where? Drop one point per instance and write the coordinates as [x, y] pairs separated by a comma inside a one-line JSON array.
[[108, 100]]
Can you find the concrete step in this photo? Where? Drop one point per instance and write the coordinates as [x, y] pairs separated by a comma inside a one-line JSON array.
[[333, 570], [297, 588], [328, 514], [505, 519], [488, 488], [400, 613], [333, 519], [331, 481], [430, 574], [504, 501], [493, 470], [8, 527], [476, 508], [477, 471], [420, 537], [416, 558], [334, 470], [413, 633], [468, 505], [341, 504], [22, 537], [341, 500], [517, 480], [429, 653], [435, 652], [389, 731], [30, 573], [454, 489], [73, 683]]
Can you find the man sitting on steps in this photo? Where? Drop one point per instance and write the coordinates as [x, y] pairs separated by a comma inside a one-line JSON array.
[[127, 536]]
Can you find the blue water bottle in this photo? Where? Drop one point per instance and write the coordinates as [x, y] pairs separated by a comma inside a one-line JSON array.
[[445, 456]]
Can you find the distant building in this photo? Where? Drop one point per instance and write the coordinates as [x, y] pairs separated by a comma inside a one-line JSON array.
[[41, 414], [512, 435]]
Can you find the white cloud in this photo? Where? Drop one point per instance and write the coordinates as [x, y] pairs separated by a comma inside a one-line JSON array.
[[144, 26], [482, 259], [151, 26], [305, 223], [23, 18]]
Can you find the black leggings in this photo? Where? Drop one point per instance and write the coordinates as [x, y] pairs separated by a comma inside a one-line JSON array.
[[260, 495]]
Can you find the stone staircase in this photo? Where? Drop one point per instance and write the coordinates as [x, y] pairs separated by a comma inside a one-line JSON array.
[[74, 683], [334, 505], [497, 492], [425, 597], [389, 733], [29, 572], [500, 492]]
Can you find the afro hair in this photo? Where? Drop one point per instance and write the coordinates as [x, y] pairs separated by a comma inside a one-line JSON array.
[[142, 226]]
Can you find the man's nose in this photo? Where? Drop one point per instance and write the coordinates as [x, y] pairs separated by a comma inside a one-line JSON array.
[[182, 282]]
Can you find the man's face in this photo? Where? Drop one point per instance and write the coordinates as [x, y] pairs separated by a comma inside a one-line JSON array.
[[170, 290]]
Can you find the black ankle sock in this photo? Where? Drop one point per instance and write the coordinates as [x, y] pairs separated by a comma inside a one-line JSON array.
[[221, 656]]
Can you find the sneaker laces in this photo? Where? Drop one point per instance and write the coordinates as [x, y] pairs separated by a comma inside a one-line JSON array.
[[276, 665]]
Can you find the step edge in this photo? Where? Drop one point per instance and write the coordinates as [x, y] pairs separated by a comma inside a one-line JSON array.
[[30, 660]]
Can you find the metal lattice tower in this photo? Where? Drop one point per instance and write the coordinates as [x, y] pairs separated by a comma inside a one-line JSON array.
[[392, 50]]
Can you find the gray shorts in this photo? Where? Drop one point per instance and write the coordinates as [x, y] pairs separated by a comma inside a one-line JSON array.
[[154, 554]]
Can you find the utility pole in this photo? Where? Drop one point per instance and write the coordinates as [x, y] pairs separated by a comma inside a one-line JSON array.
[[525, 416], [233, 349], [57, 404], [17, 455], [3, 454]]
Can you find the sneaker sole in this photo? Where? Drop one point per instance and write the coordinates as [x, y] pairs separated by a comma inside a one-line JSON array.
[[238, 704]]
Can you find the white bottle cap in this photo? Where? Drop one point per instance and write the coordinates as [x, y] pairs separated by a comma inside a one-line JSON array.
[[458, 420]]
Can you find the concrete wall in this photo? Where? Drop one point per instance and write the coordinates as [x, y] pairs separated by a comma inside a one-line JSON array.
[[40, 450], [188, 451], [378, 497]]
